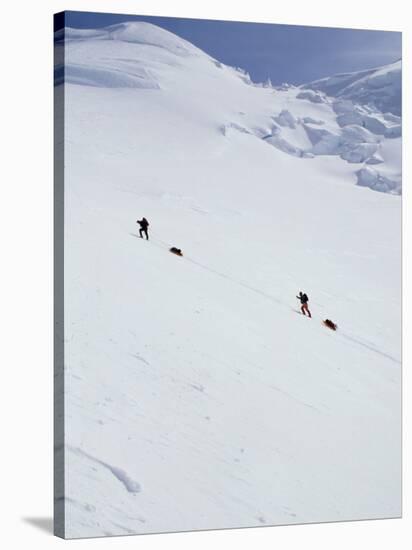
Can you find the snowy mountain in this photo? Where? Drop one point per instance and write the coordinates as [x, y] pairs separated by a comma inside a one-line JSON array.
[[380, 87], [116, 57], [197, 396]]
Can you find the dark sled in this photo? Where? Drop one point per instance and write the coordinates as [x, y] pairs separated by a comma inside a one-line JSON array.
[[176, 251], [330, 324]]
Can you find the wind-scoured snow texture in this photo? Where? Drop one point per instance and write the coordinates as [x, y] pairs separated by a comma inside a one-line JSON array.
[[197, 396]]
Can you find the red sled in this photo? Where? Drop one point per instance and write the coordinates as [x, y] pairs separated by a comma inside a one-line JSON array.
[[330, 324]]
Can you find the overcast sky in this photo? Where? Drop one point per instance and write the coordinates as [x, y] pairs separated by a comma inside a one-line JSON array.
[[283, 53]]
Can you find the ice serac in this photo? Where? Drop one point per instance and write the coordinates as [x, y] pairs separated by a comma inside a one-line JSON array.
[[336, 116], [380, 87], [197, 396]]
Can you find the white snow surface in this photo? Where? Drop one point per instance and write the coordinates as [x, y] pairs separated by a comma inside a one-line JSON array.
[[196, 394], [380, 87]]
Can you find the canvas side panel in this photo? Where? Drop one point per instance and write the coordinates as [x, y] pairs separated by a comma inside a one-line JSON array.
[[59, 103]]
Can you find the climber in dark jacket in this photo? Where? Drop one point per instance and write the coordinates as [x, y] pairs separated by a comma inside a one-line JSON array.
[[303, 298], [144, 224]]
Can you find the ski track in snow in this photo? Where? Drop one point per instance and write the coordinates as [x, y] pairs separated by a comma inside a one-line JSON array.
[[370, 347], [130, 485], [140, 358], [161, 244], [247, 286]]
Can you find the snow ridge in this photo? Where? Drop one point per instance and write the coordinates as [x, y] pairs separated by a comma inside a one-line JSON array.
[[111, 56], [380, 87]]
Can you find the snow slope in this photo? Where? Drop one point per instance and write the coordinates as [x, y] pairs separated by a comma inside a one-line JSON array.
[[380, 87], [197, 396], [141, 56]]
